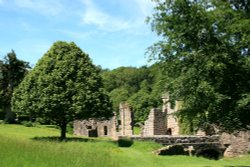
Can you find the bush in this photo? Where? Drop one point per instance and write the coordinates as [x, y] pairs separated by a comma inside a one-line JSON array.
[[125, 142], [70, 128], [28, 123]]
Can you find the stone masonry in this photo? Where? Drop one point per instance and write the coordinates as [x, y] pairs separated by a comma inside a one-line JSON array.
[[197, 145], [126, 118], [110, 127], [162, 127], [238, 143], [162, 122], [155, 124], [171, 119], [95, 127]]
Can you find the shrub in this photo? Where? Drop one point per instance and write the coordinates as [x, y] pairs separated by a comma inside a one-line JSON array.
[[27, 123], [70, 128], [125, 142]]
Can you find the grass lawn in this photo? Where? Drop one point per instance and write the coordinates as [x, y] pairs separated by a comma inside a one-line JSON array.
[[30, 147]]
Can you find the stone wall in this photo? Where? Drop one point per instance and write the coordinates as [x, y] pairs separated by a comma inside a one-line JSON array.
[[126, 119], [82, 127], [171, 119], [155, 124], [95, 127], [238, 143], [171, 140], [195, 145], [110, 127], [162, 122], [172, 124]]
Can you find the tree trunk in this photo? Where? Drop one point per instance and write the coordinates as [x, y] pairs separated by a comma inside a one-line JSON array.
[[9, 115], [63, 131]]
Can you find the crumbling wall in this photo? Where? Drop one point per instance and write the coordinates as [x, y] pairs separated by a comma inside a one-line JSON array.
[[95, 127], [238, 143], [172, 124], [83, 127], [107, 127], [101, 127], [126, 119], [155, 124]]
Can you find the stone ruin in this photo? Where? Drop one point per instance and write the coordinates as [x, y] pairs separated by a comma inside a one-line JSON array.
[[159, 122], [162, 127], [114, 127], [237, 143], [162, 122], [126, 120]]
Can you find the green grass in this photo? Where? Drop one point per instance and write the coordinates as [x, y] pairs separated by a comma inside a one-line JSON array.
[[31, 147], [137, 130]]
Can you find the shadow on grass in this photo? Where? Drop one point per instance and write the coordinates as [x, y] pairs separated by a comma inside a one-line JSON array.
[[231, 166], [120, 143], [237, 166], [68, 139]]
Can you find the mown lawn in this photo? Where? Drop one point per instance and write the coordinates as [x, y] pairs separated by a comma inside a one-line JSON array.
[[36, 147]]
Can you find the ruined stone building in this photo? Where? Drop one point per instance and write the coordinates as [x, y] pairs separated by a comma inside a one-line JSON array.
[[162, 126], [122, 126], [162, 122]]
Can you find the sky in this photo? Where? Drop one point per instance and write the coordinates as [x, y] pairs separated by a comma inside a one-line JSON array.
[[112, 32]]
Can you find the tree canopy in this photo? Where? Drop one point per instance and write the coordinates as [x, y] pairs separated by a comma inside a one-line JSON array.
[[141, 87], [12, 71], [63, 86], [205, 51]]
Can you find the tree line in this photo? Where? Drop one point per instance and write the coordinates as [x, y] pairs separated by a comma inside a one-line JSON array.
[[12, 71], [141, 87], [203, 60]]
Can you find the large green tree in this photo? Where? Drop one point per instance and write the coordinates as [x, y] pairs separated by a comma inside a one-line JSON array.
[[63, 86], [12, 71], [205, 47]]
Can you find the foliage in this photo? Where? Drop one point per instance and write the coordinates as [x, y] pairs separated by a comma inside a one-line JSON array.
[[125, 142], [205, 51], [63, 86], [12, 71], [140, 87], [27, 123], [137, 130]]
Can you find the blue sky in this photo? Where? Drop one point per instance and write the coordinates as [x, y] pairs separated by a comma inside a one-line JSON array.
[[112, 32]]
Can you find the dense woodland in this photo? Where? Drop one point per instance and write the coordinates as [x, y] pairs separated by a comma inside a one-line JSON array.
[[203, 60], [141, 87]]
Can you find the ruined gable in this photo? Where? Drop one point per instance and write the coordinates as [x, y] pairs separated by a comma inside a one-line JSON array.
[[110, 127]]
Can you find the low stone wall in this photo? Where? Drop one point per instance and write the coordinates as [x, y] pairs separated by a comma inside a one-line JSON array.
[[238, 143], [207, 146], [228, 145], [170, 140]]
